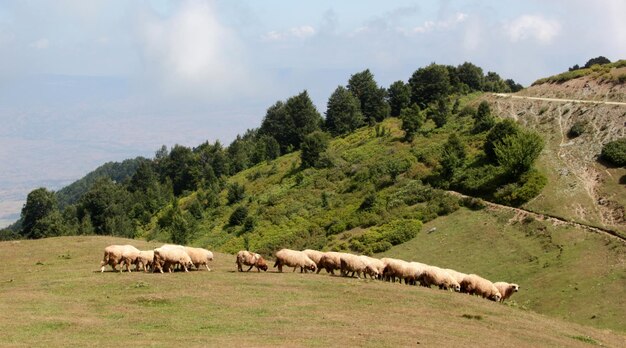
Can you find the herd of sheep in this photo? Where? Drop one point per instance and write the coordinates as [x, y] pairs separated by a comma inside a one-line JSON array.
[[169, 256]]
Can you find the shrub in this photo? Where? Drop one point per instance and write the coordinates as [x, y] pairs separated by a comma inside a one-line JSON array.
[[472, 203], [238, 216], [400, 231], [614, 152], [577, 129], [516, 194], [369, 201], [313, 146], [443, 204], [236, 193], [517, 153]]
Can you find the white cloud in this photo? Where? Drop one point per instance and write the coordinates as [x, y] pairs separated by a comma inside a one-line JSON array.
[[429, 26], [192, 54], [299, 33], [532, 27], [40, 44]]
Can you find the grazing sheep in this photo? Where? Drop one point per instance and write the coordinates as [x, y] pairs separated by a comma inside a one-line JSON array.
[[118, 255], [330, 261], [458, 276], [314, 255], [476, 285], [171, 255], [433, 275], [200, 257], [506, 289], [352, 263], [394, 268], [413, 273], [247, 258], [373, 266], [144, 259], [295, 259]]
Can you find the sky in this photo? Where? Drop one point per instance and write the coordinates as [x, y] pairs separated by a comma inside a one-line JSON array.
[[87, 82]]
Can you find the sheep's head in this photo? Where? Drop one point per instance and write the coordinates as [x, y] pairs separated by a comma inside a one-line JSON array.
[[515, 287], [497, 297], [312, 267], [456, 287], [261, 264]]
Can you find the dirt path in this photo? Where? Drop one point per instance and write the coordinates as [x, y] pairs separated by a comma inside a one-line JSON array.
[[506, 95], [555, 220]]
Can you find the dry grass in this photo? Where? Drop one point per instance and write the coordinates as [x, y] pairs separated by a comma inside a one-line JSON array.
[[52, 294]]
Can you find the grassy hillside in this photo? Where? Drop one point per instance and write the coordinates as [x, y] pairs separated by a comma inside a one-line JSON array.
[[53, 294]]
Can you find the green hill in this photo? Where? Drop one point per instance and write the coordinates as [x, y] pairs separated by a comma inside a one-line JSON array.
[[53, 294]]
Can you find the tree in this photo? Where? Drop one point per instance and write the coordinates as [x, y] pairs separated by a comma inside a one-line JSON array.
[[441, 113], [412, 120], [39, 204], [236, 193], [313, 146], [429, 84], [484, 121], [500, 131], [452, 156], [398, 97], [597, 60], [343, 114], [513, 86], [516, 153], [371, 97], [494, 83], [108, 204], [182, 168], [238, 216], [615, 152], [471, 75]]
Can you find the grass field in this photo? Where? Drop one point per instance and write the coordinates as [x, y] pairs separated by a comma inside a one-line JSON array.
[[51, 294]]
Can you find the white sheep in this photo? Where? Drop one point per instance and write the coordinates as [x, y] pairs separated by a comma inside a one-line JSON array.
[[200, 257], [247, 258], [314, 255], [374, 267], [506, 289], [118, 255], [144, 259], [295, 259], [168, 256], [476, 285], [352, 263], [433, 275], [458, 276], [394, 268], [330, 261]]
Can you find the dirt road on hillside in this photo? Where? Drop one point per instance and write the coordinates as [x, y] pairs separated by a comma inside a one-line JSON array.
[[505, 95]]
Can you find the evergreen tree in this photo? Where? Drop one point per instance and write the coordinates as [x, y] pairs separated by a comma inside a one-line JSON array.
[[312, 148], [399, 97], [343, 114], [412, 120], [453, 156], [484, 121], [371, 97], [429, 84]]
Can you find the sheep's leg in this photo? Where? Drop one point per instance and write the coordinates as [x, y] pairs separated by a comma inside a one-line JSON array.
[[207, 267], [294, 269], [250, 268]]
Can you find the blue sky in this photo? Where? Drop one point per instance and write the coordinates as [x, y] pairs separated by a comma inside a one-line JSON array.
[[85, 82]]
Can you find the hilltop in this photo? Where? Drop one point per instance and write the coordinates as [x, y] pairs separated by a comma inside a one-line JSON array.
[[54, 294]]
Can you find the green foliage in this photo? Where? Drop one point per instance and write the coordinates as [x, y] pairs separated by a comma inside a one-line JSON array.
[[484, 121], [440, 113], [429, 84], [517, 153], [471, 75], [600, 60], [501, 130], [313, 146], [369, 202], [399, 97], [343, 114], [236, 193], [289, 122], [181, 228], [371, 97], [238, 216], [518, 193], [577, 129], [412, 121], [614, 152], [494, 83], [453, 155], [40, 203]]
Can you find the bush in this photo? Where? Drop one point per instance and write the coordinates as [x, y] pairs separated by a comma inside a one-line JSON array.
[[516, 194], [443, 204], [238, 216], [236, 193], [517, 153], [313, 146], [614, 152], [472, 203], [577, 129], [400, 231]]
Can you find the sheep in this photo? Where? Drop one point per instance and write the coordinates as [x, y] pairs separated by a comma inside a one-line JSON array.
[[118, 255], [352, 263], [247, 258], [169, 255], [475, 284], [458, 276], [394, 268], [373, 266], [413, 273], [144, 259], [433, 275], [330, 261], [506, 289], [200, 257], [314, 255], [295, 259]]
